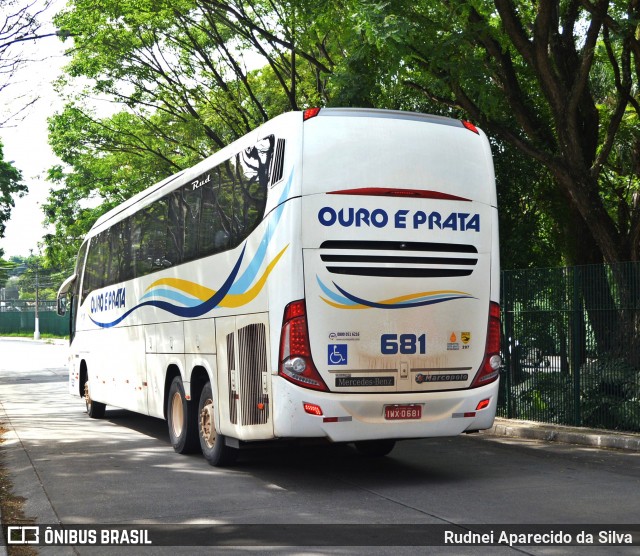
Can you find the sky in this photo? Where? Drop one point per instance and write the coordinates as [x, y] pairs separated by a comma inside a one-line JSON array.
[[25, 141]]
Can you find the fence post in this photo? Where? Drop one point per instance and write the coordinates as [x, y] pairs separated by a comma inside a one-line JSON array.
[[577, 315], [506, 345]]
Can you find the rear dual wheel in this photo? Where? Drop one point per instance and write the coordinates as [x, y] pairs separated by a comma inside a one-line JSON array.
[[189, 428], [213, 445]]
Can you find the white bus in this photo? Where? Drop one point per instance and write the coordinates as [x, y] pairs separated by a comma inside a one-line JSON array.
[[333, 274]]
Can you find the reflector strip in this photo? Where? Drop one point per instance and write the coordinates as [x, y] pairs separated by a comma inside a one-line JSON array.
[[337, 419], [461, 415], [396, 192]]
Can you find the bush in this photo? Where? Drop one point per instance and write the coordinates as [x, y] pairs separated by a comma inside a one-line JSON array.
[[610, 389]]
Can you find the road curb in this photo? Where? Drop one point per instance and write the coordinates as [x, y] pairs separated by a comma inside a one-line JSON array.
[[595, 438]]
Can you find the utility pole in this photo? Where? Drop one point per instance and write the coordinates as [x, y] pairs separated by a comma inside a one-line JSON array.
[[36, 332]]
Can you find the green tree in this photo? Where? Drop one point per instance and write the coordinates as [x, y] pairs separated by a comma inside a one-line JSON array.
[[5, 267], [555, 79], [10, 185], [180, 72], [185, 73]]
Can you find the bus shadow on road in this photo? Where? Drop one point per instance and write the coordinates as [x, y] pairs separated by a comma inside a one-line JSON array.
[[144, 424], [424, 460]]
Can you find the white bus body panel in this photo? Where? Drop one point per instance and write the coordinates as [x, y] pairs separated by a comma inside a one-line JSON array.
[[397, 289]]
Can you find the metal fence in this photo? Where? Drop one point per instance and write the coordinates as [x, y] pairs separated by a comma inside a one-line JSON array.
[[571, 346], [18, 316]]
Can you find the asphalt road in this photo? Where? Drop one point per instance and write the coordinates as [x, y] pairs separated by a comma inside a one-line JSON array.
[[122, 470]]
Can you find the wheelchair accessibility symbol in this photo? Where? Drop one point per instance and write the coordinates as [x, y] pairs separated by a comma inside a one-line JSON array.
[[337, 354]]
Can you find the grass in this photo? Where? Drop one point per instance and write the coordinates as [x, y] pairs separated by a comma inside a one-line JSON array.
[[25, 334], [12, 506]]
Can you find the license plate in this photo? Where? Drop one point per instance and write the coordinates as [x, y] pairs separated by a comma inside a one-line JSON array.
[[402, 412]]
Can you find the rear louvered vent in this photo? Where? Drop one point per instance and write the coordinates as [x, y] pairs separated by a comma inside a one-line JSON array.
[[252, 368], [278, 162], [399, 259], [231, 365]]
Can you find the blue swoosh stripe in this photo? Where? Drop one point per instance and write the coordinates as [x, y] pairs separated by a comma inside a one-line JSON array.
[[172, 295], [403, 305], [250, 273], [332, 295], [186, 312]]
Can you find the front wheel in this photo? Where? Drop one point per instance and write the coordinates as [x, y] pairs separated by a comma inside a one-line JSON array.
[[95, 410], [181, 419], [375, 448], [213, 445]]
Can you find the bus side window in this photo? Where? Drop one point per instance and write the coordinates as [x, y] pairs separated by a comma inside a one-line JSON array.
[[213, 238], [226, 200], [192, 200], [149, 234], [175, 229], [93, 272]]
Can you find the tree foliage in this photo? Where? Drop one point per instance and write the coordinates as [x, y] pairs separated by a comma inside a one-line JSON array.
[[10, 185], [554, 83], [557, 79], [191, 77]]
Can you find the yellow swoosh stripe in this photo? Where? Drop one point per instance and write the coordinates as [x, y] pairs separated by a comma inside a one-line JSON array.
[[239, 299], [417, 295], [341, 306], [392, 300], [231, 300], [196, 290]]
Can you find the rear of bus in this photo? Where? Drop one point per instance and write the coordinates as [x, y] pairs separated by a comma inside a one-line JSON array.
[[398, 335]]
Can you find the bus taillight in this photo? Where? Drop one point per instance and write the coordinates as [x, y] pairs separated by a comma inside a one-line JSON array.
[[470, 126], [296, 364], [490, 368], [310, 113]]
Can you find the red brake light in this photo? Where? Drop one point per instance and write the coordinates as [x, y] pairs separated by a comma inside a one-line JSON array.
[[470, 126], [490, 368], [295, 362], [310, 113], [312, 409]]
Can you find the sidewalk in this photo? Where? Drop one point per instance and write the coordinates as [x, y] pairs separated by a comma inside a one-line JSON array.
[[594, 438]]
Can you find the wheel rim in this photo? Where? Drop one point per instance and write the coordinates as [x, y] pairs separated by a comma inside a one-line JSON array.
[[87, 396], [177, 414], [207, 426]]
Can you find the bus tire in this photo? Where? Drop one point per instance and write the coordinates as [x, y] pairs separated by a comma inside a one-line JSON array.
[[213, 445], [181, 419], [95, 410], [375, 448]]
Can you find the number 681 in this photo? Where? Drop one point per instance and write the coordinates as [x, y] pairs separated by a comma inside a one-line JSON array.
[[406, 344]]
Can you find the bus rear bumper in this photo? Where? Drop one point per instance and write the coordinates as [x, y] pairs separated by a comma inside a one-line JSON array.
[[353, 417]]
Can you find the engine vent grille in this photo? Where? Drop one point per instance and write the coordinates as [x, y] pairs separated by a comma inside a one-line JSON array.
[[278, 162], [399, 259], [252, 363], [231, 365]]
